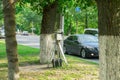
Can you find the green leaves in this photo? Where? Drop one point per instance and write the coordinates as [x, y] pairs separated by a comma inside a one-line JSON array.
[[66, 7], [25, 17], [77, 19]]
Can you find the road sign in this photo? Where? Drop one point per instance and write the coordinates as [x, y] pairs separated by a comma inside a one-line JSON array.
[[77, 9]]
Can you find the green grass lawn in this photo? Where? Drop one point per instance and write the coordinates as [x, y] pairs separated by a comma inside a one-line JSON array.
[[25, 53], [77, 69]]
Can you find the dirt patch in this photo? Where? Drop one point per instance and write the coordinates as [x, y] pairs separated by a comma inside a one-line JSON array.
[[34, 67]]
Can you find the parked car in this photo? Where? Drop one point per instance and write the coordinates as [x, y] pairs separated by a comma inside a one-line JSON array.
[[91, 31], [2, 34], [25, 33], [82, 44]]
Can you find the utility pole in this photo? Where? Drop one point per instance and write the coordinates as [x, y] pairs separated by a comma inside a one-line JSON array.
[[32, 28], [77, 9]]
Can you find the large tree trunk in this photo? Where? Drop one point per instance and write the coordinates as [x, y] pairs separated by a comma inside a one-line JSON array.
[[48, 29], [11, 44], [109, 39]]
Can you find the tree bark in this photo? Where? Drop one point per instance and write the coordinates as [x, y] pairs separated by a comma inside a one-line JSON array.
[[86, 16], [109, 39], [49, 27], [11, 44]]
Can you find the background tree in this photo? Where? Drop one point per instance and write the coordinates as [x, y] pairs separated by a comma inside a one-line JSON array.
[[109, 39], [27, 18], [11, 44], [71, 15], [85, 4], [1, 14]]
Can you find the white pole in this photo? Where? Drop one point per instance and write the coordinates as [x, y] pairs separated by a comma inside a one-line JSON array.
[[62, 52], [32, 28]]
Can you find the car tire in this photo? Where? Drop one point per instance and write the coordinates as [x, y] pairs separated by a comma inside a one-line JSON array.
[[83, 53]]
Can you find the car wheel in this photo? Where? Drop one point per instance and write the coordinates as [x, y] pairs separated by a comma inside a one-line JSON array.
[[83, 53]]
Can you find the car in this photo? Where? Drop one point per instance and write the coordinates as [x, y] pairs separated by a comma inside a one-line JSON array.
[[91, 31], [2, 34], [83, 45], [25, 33]]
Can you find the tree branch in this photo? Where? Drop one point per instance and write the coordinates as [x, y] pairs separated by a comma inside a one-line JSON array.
[[8, 4]]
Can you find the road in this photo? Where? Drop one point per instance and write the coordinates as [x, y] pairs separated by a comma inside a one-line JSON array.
[[34, 41], [31, 40], [95, 60]]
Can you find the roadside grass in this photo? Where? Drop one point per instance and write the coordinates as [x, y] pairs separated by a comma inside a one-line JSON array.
[[77, 69], [25, 53]]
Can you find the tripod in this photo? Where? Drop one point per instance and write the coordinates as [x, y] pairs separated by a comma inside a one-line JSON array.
[[58, 61]]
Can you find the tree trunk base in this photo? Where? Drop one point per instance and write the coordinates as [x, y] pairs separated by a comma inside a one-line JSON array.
[[46, 41]]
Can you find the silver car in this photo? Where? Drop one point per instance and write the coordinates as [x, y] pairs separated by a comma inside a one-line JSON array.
[[91, 31], [2, 34]]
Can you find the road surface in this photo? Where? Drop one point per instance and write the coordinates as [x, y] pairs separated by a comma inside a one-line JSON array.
[[30, 40]]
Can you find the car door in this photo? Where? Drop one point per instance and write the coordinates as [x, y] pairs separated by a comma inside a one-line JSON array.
[[75, 45], [68, 44]]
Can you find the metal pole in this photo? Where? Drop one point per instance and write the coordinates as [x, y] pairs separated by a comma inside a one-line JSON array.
[[62, 52]]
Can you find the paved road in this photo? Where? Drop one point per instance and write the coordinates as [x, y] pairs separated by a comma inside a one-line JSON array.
[[31, 40], [93, 60]]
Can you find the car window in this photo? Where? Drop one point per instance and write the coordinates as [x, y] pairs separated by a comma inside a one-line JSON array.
[[88, 38], [91, 31], [70, 38], [75, 38]]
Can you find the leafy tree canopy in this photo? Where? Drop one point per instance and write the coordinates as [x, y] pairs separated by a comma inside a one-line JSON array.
[[38, 5]]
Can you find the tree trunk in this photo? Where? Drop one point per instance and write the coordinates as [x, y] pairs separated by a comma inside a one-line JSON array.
[[86, 19], [69, 29], [86, 16], [109, 39], [48, 29], [11, 44]]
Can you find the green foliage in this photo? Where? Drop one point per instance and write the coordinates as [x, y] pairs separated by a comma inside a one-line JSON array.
[[1, 14], [27, 18], [77, 19], [73, 19], [85, 3], [24, 18], [38, 5]]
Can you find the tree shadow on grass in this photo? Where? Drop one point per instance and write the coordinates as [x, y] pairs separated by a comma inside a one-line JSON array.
[[28, 66], [34, 66]]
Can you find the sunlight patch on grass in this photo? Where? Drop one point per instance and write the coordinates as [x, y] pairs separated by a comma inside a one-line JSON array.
[[3, 73], [2, 41]]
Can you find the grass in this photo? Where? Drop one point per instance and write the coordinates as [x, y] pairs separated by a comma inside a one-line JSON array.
[[25, 53], [78, 69]]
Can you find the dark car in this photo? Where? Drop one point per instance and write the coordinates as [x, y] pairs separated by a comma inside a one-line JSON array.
[[25, 33], [82, 44]]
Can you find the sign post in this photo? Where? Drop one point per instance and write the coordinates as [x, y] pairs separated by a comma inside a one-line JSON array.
[[77, 9]]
